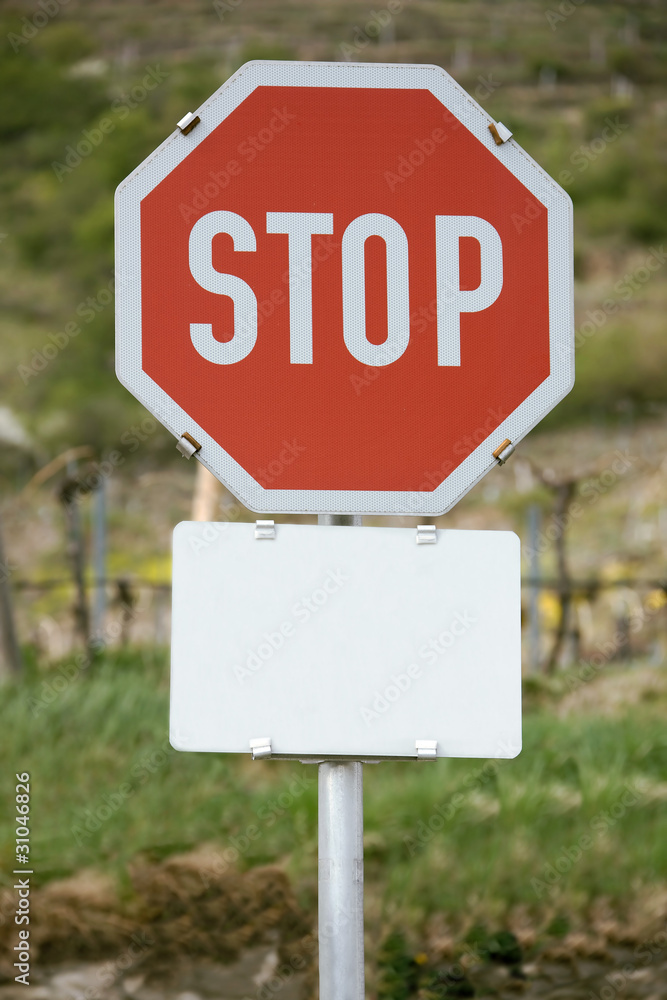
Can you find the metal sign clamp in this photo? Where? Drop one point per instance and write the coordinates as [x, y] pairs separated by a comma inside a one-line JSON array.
[[188, 122], [187, 445], [261, 748], [426, 749], [503, 451], [500, 133]]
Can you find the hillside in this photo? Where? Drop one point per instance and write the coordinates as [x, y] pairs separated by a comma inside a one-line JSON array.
[[583, 92]]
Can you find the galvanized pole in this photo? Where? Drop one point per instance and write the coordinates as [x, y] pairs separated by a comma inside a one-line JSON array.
[[341, 880], [99, 560], [10, 653], [341, 866], [70, 499], [340, 519], [534, 590]]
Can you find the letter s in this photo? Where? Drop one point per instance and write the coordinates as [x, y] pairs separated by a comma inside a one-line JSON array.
[[300, 612], [578, 159], [428, 655], [241, 294], [589, 491]]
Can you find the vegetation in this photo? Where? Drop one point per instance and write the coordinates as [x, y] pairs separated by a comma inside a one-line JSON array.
[[581, 90], [579, 816], [575, 826]]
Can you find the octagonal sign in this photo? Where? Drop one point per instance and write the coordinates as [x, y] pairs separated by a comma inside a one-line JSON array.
[[345, 287]]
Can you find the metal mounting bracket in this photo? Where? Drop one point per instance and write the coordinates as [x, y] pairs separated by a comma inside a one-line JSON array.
[[503, 451], [260, 747], [426, 534], [265, 529], [500, 133], [426, 749], [188, 122], [187, 445]]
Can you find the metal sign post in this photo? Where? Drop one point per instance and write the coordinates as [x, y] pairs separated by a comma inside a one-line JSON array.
[[340, 880], [340, 865]]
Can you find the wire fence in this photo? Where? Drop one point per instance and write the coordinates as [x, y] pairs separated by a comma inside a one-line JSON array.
[[566, 619], [620, 620]]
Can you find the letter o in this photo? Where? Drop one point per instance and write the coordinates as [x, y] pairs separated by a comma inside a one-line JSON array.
[[354, 290]]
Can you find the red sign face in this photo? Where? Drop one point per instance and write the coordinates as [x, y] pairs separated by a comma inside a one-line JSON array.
[[346, 289]]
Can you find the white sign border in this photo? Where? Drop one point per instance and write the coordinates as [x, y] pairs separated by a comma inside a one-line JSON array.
[[128, 287], [218, 704]]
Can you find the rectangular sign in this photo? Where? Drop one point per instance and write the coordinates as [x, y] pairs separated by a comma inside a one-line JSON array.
[[345, 641]]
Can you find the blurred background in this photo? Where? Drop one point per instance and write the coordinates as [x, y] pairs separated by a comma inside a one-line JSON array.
[[474, 874]]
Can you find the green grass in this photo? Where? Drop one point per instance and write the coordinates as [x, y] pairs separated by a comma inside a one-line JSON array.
[[102, 740]]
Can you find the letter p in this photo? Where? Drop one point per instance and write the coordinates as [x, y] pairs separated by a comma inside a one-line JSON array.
[[452, 299]]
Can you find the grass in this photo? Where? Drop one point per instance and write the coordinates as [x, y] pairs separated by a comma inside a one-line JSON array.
[[106, 786]]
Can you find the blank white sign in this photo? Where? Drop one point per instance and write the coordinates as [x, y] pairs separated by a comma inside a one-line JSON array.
[[348, 641]]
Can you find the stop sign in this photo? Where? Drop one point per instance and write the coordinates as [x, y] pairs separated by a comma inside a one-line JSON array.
[[344, 287]]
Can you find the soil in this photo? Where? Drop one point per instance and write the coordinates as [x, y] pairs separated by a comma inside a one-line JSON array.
[[192, 928]]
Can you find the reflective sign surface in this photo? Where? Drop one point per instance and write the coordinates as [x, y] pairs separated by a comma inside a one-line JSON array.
[[345, 641], [344, 289]]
